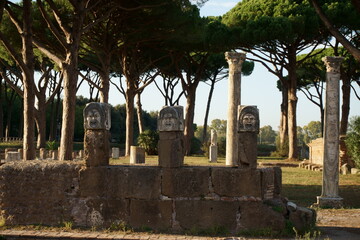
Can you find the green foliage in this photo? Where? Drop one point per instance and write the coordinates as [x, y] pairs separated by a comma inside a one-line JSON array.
[[259, 21], [52, 145], [120, 226], [353, 140], [149, 141], [281, 150], [67, 226], [265, 149], [267, 135], [221, 146], [312, 131]]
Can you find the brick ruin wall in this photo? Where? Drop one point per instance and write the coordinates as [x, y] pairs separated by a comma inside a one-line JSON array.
[[175, 199]]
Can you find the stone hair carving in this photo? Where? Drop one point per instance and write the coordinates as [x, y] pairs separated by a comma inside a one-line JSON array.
[[248, 119], [171, 119], [97, 116], [235, 61], [332, 64]]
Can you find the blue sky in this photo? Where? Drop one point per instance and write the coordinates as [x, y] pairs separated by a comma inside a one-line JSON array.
[[258, 89]]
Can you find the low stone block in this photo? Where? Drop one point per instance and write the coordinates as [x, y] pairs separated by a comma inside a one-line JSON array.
[[42, 153], [12, 156], [205, 214], [271, 181], [137, 155], [185, 182], [121, 182], [235, 182], [213, 152], [115, 153], [153, 214], [355, 171], [302, 218], [256, 215]]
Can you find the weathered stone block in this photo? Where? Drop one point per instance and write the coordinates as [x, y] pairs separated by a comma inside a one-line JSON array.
[[213, 152], [121, 182], [93, 182], [115, 153], [96, 145], [185, 182], [12, 156], [271, 182], [104, 212], [203, 214], [152, 214], [137, 155], [171, 149], [43, 153], [256, 215], [235, 182]]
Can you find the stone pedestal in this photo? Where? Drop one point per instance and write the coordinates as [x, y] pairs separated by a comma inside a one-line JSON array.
[[115, 153], [96, 144], [21, 153], [171, 137], [171, 149], [213, 149], [213, 152], [235, 61], [249, 125], [12, 156], [81, 154], [42, 153], [137, 155], [97, 123], [330, 186], [54, 154]]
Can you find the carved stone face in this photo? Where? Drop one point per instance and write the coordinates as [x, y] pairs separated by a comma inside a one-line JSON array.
[[93, 119], [170, 119], [97, 116], [248, 121]]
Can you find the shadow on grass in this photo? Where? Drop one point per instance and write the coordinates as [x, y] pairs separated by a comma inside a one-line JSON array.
[[305, 195]]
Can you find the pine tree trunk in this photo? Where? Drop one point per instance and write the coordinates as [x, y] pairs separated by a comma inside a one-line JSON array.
[[189, 119], [129, 135], [212, 86], [40, 121], [28, 84], [345, 108], [139, 113], [283, 131], [292, 99], [68, 115]]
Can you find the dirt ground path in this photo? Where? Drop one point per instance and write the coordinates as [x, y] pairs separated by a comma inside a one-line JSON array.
[[339, 224]]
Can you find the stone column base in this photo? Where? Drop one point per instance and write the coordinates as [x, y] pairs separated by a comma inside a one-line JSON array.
[[213, 153], [329, 202]]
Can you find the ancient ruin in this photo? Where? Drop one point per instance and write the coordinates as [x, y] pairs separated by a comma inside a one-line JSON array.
[[171, 136], [169, 197], [235, 61], [249, 125], [330, 187], [97, 123]]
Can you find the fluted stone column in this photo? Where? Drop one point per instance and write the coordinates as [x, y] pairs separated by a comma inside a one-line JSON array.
[[330, 186], [235, 61]]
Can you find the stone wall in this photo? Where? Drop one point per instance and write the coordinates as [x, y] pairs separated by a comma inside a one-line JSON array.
[[52, 192]]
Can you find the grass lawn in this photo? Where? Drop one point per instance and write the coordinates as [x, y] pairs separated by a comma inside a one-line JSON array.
[[299, 185]]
